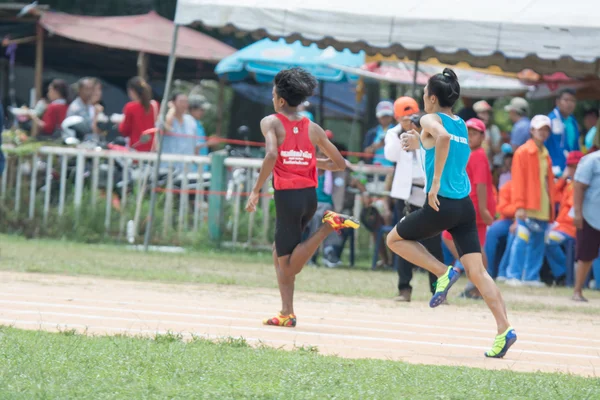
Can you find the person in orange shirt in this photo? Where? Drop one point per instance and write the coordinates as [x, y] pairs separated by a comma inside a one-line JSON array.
[[534, 198], [564, 228]]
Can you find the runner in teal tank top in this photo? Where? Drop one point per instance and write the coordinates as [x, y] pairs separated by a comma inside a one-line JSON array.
[[444, 140]]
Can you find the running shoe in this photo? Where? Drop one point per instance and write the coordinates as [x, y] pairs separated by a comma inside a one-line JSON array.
[[288, 321], [340, 221], [443, 285], [502, 344]]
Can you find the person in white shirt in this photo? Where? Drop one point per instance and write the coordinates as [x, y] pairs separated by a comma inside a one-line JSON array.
[[407, 186]]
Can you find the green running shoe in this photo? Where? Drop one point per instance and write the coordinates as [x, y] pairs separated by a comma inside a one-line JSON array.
[[502, 344]]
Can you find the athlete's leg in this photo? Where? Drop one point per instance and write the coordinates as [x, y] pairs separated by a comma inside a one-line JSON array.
[[286, 287], [415, 253], [293, 263]]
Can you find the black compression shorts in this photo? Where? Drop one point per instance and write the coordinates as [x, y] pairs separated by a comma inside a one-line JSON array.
[[294, 209], [455, 216]]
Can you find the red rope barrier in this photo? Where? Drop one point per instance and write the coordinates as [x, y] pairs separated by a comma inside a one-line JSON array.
[[215, 139]]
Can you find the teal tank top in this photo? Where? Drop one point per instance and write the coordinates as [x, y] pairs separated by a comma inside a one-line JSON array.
[[454, 183], [323, 197]]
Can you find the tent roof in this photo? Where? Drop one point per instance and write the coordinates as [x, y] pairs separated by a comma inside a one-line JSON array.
[[149, 33], [545, 35]]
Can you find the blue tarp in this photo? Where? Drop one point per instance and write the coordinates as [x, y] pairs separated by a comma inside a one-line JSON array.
[[265, 58]]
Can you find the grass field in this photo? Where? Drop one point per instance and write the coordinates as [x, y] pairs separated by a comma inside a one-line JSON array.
[[229, 267], [40, 365]]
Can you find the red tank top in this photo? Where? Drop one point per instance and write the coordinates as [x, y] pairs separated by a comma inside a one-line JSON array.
[[296, 165]]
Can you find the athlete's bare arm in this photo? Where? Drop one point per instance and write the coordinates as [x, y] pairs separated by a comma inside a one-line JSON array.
[[335, 160], [432, 126], [268, 128]]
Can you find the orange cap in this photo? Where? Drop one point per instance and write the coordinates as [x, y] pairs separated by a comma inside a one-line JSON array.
[[405, 106]]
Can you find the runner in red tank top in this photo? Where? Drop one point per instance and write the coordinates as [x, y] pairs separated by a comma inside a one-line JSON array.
[[290, 155]]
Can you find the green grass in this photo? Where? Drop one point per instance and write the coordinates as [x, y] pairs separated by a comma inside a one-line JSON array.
[[41, 365], [241, 268]]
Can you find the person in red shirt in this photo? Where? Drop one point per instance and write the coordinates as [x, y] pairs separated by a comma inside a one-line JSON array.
[[482, 193], [139, 115], [58, 92], [290, 142]]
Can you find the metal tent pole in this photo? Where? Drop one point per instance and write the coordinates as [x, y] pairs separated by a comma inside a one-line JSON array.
[[161, 125], [414, 85]]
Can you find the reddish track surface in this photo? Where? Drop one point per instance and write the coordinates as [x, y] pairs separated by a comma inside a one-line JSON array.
[[348, 327]]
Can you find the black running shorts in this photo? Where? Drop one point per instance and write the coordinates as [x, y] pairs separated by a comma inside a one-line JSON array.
[[455, 216], [294, 208]]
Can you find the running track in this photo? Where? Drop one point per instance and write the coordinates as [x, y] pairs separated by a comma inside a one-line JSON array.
[[348, 327]]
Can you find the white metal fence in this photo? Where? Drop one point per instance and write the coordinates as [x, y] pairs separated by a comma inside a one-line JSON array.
[[57, 178]]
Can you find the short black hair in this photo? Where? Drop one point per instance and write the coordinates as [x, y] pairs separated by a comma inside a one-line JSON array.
[[445, 87], [175, 95], [562, 92], [294, 85], [592, 111]]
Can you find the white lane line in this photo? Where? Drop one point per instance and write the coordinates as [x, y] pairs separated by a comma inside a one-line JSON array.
[[296, 333], [509, 362], [262, 313], [251, 320], [332, 319]]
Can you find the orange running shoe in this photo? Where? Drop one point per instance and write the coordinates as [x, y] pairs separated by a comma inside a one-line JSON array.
[[340, 221], [288, 321]]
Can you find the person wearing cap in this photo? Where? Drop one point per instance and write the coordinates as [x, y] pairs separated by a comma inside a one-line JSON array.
[[517, 110], [493, 137], [534, 198], [586, 216], [408, 187], [482, 195], [375, 137], [564, 129], [564, 228]]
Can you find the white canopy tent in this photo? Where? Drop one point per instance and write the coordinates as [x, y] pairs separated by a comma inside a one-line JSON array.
[[543, 35]]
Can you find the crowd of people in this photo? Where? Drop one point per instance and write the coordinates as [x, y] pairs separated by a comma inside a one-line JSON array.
[[84, 100], [534, 190]]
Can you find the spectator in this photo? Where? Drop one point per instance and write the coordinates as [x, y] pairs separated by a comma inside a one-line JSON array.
[[586, 203], [564, 229], [82, 106], [304, 110], [375, 137], [493, 137], [468, 110], [565, 132], [590, 120], [408, 187], [533, 197], [482, 193], [179, 124], [517, 109], [197, 110], [56, 111], [500, 232], [139, 114]]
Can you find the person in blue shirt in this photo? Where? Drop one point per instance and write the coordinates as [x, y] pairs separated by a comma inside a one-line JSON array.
[[590, 120], [198, 107], [444, 139], [517, 110], [565, 131], [375, 138]]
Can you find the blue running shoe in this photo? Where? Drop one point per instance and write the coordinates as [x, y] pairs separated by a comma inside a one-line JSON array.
[[442, 285], [502, 343]]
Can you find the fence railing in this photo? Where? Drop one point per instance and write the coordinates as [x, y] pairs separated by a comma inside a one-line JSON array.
[[192, 199]]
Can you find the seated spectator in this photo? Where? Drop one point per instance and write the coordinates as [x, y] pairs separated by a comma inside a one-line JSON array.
[[408, 187], [139, 115], [82, 106], [493, 137], [590, 122], [586, 203], [375, 137], [499, 232], [563, 229], [565, 131], [533, 197], [482, 192], [517, 109], [181, 128], [56, 111]]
